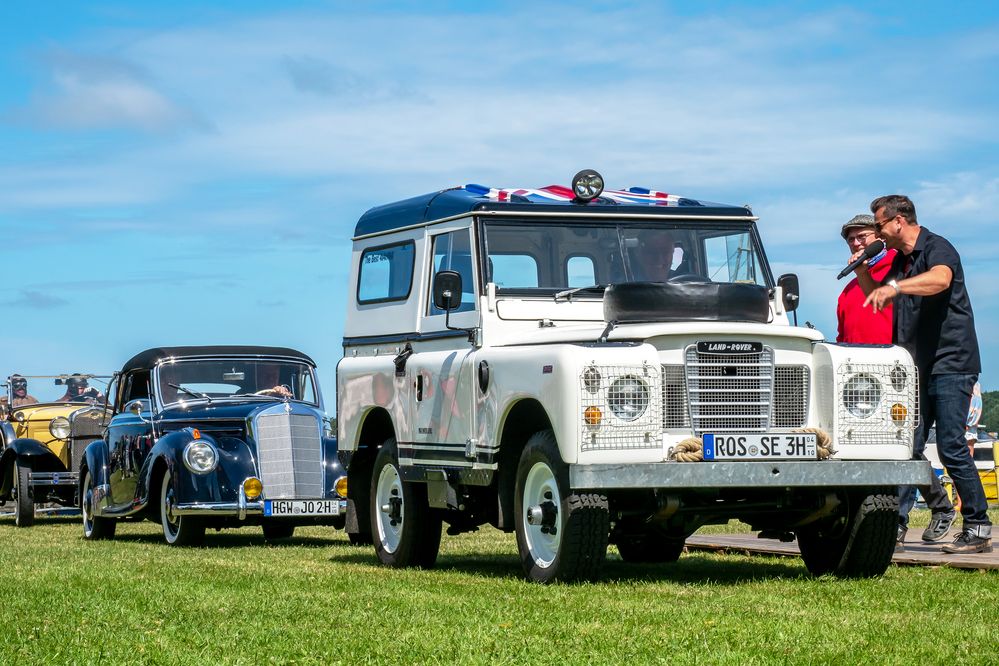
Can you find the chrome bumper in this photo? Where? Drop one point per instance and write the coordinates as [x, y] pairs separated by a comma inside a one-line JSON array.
[[239, 509], [54, 478], [789, 474]]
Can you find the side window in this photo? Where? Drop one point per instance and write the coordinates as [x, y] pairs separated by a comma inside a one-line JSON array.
[[453, 252], [731, 259], [386, 273], [579, 271], [514, 270], [134, 385]]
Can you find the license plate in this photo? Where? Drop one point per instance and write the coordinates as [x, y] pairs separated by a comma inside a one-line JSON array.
[[759, 446], [292, 508]]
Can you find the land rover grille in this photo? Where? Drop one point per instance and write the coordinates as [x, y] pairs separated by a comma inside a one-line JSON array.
[[289, 452], [734, 393]]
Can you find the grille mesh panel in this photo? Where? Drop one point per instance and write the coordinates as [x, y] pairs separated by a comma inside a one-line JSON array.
[[675, 414], [790, 404], [289, 448]]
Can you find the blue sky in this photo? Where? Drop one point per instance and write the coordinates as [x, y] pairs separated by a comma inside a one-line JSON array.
[[190, 173]]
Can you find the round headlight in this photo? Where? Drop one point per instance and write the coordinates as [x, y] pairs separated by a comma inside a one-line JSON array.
[[628, 398], [898, 378], [591, 379], [200, 457], [59, 427], [587, 185], [862, 395]]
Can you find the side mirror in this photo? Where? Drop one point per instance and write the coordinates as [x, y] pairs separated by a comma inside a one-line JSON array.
[[138, 406], [447, 290], [788, 284]]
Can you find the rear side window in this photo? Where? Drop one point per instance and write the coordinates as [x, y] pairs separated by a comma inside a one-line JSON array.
[[386, 273]]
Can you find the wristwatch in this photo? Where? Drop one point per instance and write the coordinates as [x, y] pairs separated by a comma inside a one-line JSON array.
[[894, 285]]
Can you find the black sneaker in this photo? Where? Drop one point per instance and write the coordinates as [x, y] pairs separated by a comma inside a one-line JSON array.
[[900, 539], [940, 524], [968, 542]]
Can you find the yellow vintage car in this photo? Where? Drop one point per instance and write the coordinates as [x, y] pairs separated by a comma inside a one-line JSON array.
[[42, 439]]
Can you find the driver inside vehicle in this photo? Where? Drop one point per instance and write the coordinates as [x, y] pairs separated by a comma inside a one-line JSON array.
[[269, 375], [19, 389], [78, 389], [652, 258]]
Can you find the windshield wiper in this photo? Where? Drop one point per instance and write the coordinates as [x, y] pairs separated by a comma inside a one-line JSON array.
[[188, 391], [567, 294]]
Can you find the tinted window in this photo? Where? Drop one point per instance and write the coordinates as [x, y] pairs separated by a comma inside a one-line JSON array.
[[514, 270], [386, 273]]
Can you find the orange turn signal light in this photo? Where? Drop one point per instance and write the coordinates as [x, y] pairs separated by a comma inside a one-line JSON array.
[[252, 488], [899, 413], [195, 433], [592, 415]]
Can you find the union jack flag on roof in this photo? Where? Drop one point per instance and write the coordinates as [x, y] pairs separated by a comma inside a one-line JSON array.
[[631, 195]]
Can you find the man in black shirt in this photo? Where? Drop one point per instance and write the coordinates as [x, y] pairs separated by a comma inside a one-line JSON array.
[[934, 322]]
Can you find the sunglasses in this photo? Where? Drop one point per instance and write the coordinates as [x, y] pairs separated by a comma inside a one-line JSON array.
[[878, 225], [19, 385]]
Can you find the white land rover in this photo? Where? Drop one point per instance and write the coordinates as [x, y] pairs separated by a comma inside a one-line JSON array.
[[589, 367]]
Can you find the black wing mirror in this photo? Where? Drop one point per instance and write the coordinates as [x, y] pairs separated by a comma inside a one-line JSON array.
[[447, 290], [788, 284]]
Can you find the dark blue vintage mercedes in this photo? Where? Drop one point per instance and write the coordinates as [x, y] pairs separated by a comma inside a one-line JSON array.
[[213, 437]]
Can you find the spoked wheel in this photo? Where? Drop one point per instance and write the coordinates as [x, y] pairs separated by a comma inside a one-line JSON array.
[[859, 544], [24, 510], [274, 531], [561, 535], [177, 530], [406, 532], [94, 527]]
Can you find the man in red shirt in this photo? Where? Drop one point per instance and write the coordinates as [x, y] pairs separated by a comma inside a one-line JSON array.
[[858, 324]]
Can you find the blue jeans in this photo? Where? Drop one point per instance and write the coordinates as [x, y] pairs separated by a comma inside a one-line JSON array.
[[944, 400]]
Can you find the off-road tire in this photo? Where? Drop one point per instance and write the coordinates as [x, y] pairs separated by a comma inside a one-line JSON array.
[[650, 546], [182, 530], [95, 528], [414, 539], [582, 521], [24, 509], [274, 531], [861, 547]]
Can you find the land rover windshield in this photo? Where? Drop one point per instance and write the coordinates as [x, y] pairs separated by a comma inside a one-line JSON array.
[[534, 257]]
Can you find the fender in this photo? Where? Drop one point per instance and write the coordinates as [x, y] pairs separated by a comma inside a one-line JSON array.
[[236, 462], [95, 461], [32, 452], [331, 461]]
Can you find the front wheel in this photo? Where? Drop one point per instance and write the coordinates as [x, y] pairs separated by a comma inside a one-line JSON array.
[[24, 509], [860, 544], [561, 535], [405, 531], [94, 527], [177, 530]]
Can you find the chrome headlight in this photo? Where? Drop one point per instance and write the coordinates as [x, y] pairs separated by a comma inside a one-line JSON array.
[[200, 456], [899, 377], [862, 395], [628, 397], [591, 379], [59, 427]]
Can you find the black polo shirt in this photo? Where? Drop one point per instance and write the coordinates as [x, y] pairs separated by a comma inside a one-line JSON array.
[[939, 330]]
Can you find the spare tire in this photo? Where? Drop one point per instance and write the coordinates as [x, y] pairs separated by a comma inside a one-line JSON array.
[[634, 302]]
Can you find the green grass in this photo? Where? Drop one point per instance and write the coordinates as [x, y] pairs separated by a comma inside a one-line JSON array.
[[316, 599]]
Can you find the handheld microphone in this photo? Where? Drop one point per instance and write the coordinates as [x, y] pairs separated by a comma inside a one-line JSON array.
[[873, 249]]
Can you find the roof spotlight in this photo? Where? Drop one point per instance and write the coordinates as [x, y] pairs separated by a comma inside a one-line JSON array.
[[587, 185]]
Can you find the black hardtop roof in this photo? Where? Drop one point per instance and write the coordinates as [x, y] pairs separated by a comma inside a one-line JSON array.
[[150, 357], [462, 200]]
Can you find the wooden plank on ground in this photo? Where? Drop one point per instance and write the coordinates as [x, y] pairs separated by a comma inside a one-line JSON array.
[[916, 552]]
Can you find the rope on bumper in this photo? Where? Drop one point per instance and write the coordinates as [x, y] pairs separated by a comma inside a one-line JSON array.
[[823, 445], [688, 450]]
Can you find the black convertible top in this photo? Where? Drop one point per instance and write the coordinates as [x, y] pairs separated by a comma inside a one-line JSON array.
[[150, 357]]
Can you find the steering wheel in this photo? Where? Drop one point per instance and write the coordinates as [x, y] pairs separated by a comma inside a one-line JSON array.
[[688, 277]]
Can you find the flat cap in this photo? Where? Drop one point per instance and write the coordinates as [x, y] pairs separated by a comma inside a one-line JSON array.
[[857, 221]]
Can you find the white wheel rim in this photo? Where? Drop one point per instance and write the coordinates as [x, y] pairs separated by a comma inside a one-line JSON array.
[[85, 507], [540, 487], [389, 490], [171, 527]]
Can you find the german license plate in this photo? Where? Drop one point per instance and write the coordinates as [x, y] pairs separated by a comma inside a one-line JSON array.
[[292, 508], [759, 446]]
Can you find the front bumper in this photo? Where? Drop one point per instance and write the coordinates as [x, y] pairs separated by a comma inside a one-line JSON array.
[[788, 474]]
